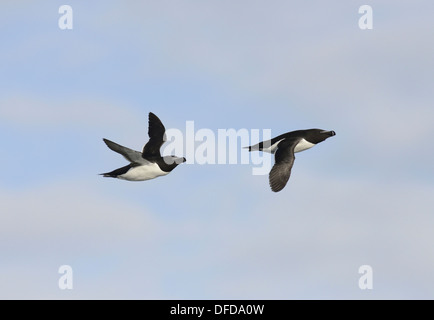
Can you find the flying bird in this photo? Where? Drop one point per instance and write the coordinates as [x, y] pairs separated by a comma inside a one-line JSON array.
[[284, 147], [149, 163]]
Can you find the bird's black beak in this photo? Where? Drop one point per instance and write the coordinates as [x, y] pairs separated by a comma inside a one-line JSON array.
[[329, 133], [180, 160]]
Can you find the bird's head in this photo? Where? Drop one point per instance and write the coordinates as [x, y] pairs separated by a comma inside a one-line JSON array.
[[319, 135], [174, 160]]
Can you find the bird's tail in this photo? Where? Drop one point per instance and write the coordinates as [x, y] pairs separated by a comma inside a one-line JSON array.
[[256, 147], [117, 172], [107, 175]]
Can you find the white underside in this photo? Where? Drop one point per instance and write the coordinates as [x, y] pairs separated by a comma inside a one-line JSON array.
[[301, 146], [142, 173], [272, 148]]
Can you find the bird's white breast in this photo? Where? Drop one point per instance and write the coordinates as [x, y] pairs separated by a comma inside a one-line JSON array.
[[303, 145], [144, 172]]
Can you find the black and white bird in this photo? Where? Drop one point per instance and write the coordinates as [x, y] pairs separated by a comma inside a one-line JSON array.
[[284, 147], [149, 163]]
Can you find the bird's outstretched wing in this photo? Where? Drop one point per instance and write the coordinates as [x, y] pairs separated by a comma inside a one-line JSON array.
[[284, 160], [129, 154], [157, 137]]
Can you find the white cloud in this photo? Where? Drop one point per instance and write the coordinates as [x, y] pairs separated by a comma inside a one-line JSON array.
[[69, 223], [305, 242], [40, 112], [309, 240], [69, 216], [322, 68]]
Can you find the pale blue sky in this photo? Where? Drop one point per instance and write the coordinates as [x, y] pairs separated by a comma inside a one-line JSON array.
[[216, 231]]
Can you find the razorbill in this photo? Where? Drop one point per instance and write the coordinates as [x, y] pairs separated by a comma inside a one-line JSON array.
[[149, 163], [284, 147]]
